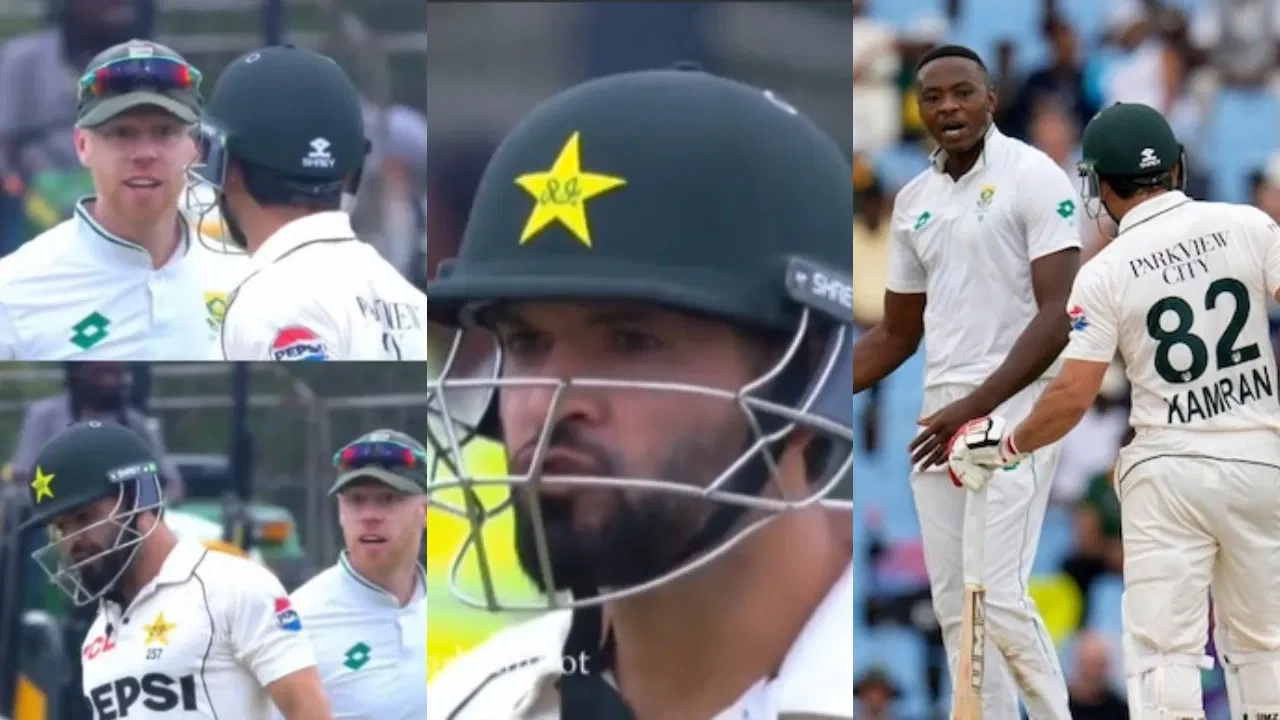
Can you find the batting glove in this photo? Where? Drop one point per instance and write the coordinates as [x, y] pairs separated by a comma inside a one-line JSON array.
[[979, 448]]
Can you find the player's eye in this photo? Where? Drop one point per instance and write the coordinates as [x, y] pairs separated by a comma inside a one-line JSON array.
[[634, 341], [521, 343]]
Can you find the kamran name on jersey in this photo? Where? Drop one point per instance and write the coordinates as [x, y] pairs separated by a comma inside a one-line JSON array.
[[1182, 261], [1206, 401], [156, 691]]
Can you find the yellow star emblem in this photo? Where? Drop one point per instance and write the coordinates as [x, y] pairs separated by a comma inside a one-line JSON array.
[[42, 485], [561, 193], [158, 631]]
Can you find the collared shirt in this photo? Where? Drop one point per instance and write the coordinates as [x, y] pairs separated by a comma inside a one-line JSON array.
[[372, 652], [513, 674], [317, 292], [78, 292], [1181, 294], [201, 640], [968, 245]]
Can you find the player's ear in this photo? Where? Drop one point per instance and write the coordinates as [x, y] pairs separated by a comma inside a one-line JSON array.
[[82, 146]]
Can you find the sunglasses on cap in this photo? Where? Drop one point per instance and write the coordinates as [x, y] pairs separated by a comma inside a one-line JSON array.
[[156, 74], [384, 454]]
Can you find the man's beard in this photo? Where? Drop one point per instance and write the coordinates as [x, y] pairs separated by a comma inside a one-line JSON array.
[[234, 232], [645, 537], [102, 576]]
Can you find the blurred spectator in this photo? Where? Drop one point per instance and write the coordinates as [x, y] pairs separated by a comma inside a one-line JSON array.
[[1060, 81], [1264, 185], [871, 244], [1097, 549], [1056, 132], [925, 31], [877, 101], [41, 173], [1007, 81], [1091, 695], [1241, 39], [95, 391], [875, 693]]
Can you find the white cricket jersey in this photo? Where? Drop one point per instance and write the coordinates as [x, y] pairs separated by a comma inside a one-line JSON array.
[[372, 653], [316, 292], [78, 292], [513, 674], [968, 245], [1181, 294], [202, 640]]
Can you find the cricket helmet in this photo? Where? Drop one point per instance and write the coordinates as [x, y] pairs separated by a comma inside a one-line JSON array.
[[1131, 142], [675, 188], [288, 110], [87, 462]]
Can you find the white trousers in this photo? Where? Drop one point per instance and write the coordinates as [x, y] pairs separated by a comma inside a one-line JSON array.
[[1191, 525], [1016, 503]]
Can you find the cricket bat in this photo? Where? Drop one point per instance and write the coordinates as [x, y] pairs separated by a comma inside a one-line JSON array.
[[966, 702]]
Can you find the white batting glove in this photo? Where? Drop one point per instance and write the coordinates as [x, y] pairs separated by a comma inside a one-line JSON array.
[[979, 448]]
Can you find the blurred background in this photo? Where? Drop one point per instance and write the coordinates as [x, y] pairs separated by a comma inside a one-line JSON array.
[[1211, 67], [246, 458], [492, 62], [45, 45]]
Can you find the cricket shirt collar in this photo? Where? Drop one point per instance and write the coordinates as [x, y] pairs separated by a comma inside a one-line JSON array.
[[331, 225], [114, 248]]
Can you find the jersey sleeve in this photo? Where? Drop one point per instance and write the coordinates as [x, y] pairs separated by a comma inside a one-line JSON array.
[[1093, 319], [1268, 234], [906, 274], [8, 334], [266, 632], [1049, 208], [264, 326]]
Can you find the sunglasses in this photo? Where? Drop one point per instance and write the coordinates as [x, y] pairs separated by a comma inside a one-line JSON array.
[[383, 454], [160, 74]]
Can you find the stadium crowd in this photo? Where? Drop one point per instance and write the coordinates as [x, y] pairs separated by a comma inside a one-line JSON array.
[[1210, 67]]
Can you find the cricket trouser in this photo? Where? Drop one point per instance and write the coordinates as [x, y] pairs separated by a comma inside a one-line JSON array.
[[1193, 524], [1018, 644]]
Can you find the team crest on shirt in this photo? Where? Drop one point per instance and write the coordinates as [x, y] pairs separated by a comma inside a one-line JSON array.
[[986, 196], [1077, 317], [215, 303], [297, 343], [286, 617]]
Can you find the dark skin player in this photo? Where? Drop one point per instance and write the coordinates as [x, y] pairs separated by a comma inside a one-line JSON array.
[[957, 102]]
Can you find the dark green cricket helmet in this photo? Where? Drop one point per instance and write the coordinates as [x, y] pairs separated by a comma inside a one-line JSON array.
[[1128, 142], [674, 188], [88, 462], [286, 109]]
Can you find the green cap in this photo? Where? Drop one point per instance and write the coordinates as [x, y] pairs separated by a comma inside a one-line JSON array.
[[411, 480], [85, 463], [672, 187], [94, 111], [1129, 140]]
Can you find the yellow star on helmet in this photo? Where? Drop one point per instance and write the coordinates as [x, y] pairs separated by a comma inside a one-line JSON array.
[[158, 631], [561, 193], [42, 485]]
